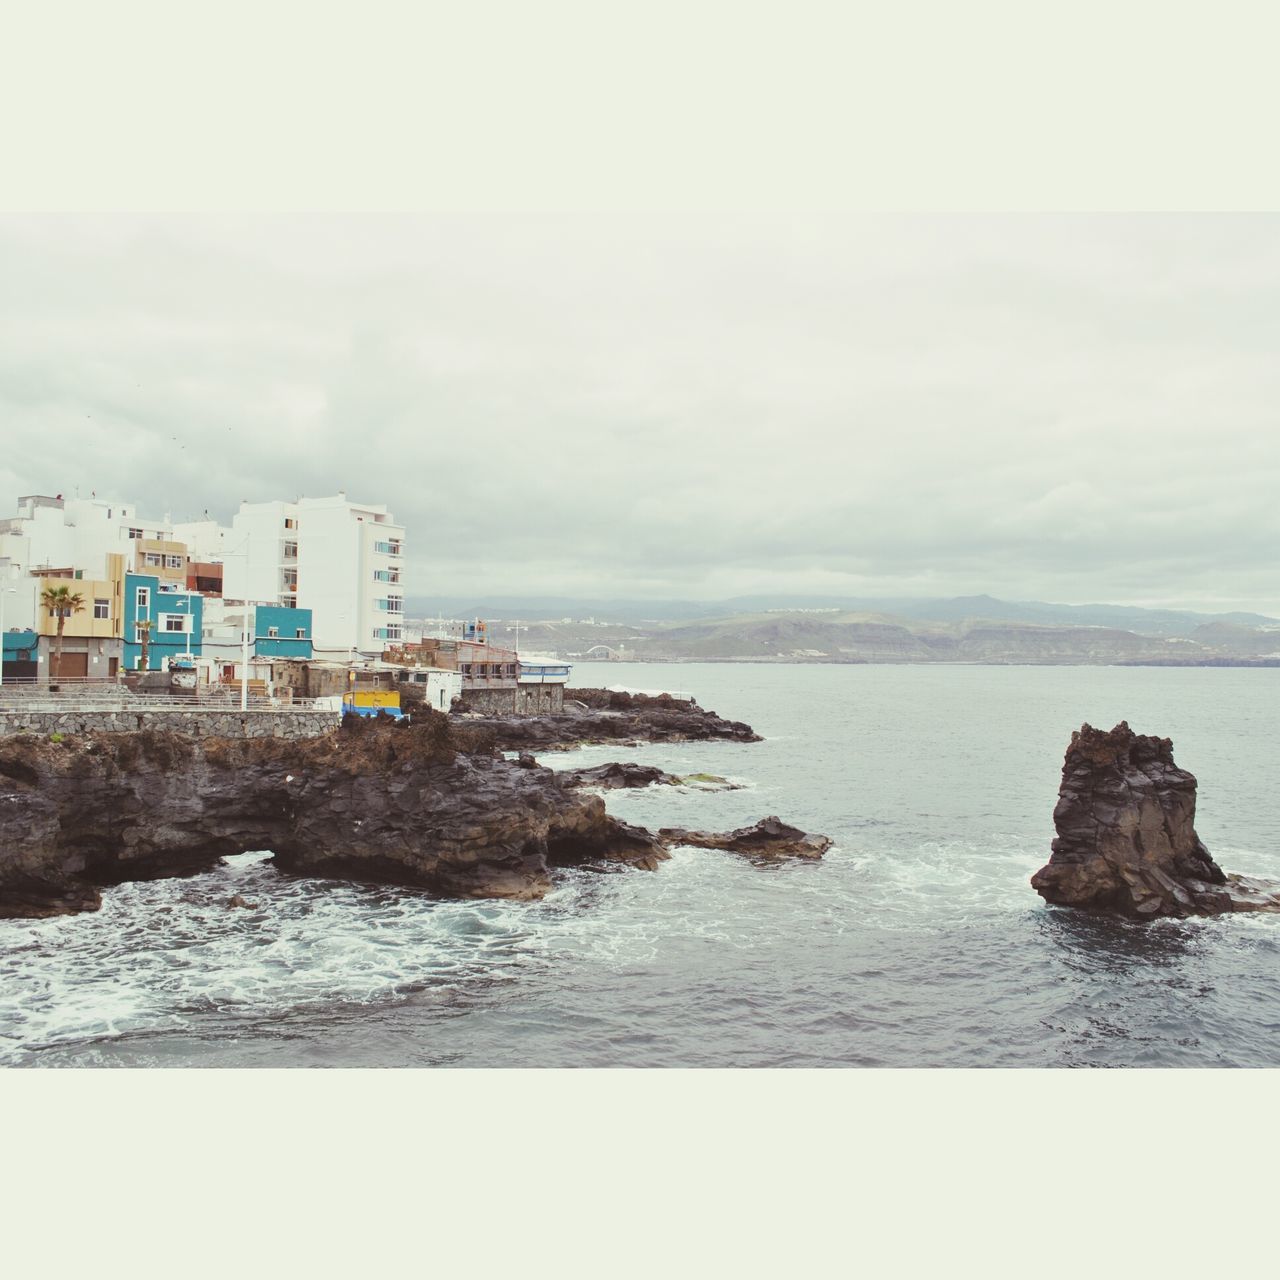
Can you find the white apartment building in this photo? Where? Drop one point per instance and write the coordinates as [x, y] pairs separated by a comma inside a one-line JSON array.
[[74, 533], [205, 539], [342, 560]]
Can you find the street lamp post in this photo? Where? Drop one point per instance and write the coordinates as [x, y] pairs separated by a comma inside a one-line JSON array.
[[185, 605]]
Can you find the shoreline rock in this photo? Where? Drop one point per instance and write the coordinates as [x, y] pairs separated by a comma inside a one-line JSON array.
[[375, 802], [625, 719], [769, 839], [628, 774], [1126, 842]]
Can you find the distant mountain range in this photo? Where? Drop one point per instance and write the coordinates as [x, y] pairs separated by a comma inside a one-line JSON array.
[[958, 609]]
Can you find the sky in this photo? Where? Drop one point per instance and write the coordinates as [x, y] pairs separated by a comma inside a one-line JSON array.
[[1072, 408]]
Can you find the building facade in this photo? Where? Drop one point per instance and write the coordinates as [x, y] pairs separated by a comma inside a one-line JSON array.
[[342, 560], [176, 618], [275, 631]]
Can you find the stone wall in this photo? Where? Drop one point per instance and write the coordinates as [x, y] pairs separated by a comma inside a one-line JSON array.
[[525, 700], [196, 724], [539, 699], [490, 702]]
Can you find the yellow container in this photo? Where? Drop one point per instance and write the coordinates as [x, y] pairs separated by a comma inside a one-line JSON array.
[[372, 698]]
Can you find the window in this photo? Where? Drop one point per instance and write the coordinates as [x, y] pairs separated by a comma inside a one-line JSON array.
[[290, 550], [273, 633], [290, 522], [387, 548], [395, 604], [291, 578], [134, 533], [152, 560], [299, 634], [137, 635], [144, 598], [174, 621], [173, 562], [386, 575], [102, 608]]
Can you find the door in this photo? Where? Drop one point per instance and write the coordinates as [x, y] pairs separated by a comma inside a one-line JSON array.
[[71, 666]]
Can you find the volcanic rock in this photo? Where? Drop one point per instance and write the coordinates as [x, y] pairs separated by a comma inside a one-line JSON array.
[[770, 838], [406, 805], [1126, 840], [603, 716], [611, 776]]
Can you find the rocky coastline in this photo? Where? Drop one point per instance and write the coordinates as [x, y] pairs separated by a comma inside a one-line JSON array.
[[432, 805], [592, 717], [1126, 842]]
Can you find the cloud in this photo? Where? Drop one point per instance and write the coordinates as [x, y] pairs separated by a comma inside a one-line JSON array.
[[1041, 407]]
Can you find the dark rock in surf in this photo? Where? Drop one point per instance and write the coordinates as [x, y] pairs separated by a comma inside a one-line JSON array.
[[615, 775], [1126, 841], [769, 839], [602, 716]]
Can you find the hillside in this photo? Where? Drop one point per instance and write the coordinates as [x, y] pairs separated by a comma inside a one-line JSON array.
[[869, 637]]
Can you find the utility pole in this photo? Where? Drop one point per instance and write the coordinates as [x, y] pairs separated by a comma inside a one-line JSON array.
[[244, 660]]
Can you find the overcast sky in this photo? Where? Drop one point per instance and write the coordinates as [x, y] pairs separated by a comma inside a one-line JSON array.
[[1074, 409]]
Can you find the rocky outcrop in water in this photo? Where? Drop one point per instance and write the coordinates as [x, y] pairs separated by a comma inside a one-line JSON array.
[[770, 839], [428, 805], [603, 716], [1126, 840], [615, 775]]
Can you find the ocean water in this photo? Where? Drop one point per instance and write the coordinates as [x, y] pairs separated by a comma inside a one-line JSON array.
[[917, 941]]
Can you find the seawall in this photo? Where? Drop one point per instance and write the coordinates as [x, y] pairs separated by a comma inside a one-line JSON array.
[[195, 724]]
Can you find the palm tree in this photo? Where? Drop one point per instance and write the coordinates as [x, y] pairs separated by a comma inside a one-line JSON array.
[[144, 639], [61, 602]]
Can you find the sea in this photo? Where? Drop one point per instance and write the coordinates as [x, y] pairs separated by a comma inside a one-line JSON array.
[[916, 942]]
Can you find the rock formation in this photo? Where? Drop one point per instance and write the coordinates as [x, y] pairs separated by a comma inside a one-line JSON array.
[[615, 775], [1126, 838], [409, 805], [603, 716], [770, 838]]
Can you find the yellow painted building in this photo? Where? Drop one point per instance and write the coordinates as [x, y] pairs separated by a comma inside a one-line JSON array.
[[102, 616]]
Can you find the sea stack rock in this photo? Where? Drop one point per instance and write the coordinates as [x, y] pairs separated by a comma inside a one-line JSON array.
[[1126, 840]]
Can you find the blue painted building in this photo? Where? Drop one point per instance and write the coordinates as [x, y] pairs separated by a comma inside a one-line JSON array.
[[176, 617], [282, 632], [18, 655]]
